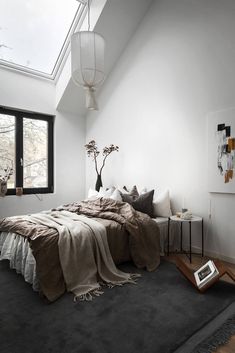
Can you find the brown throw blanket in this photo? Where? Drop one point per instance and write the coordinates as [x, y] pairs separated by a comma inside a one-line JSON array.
[[143, 231], [143, 239]]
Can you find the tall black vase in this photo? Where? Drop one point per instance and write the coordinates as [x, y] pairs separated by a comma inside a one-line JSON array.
[[98, 182]]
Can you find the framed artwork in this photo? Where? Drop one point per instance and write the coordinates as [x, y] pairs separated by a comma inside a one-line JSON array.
[[221, 151]]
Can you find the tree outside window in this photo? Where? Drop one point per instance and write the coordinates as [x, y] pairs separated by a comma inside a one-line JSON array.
[[26, 146]]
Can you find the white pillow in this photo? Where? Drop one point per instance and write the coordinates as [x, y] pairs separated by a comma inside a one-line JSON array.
[[116, 196], [162, 206], [104, 193], [123, 191], [142, 191], [111, 193], [92, 193]]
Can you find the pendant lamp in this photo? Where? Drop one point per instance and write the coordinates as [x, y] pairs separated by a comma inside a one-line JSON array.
[[87, 58]]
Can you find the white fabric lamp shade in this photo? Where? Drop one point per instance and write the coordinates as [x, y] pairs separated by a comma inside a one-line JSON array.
[[87, 57]]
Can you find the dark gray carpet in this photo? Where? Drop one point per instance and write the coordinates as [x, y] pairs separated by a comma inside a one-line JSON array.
[[156, 316]]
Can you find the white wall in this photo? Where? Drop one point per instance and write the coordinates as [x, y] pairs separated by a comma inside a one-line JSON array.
[[28, 93], [70, 157], [178, 67]]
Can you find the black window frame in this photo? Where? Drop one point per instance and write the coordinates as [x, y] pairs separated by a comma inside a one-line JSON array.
[[19, 115]]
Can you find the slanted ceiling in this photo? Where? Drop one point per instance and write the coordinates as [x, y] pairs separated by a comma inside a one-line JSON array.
[[117, 23]]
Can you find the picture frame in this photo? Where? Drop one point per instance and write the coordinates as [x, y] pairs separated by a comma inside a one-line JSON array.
[[221, 151], [205, 273]]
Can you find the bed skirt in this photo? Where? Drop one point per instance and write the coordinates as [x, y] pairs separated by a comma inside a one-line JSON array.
[[16, 249]]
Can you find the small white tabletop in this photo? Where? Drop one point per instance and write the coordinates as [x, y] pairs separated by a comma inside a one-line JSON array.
[[192, 219]]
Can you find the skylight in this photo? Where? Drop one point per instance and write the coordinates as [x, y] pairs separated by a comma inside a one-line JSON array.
[[34, 35]]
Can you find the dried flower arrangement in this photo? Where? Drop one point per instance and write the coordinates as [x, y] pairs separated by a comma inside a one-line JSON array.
[[4, 177], [92, 151], [7, 172]]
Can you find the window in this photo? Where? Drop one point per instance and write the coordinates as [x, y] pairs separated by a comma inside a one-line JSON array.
[[26, 146], [35, 35]]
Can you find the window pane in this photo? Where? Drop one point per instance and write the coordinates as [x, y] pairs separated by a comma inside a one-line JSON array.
[[7, 147], [35, 147], [33, 32]]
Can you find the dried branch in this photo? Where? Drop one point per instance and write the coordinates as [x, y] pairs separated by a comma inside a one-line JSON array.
[[92, 151], [7, 174], [5, 132]]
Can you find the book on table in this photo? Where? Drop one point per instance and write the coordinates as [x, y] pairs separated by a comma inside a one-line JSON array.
[[205, 274]]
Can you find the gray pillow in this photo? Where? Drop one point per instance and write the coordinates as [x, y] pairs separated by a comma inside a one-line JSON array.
[[143, 203], [133, 193]]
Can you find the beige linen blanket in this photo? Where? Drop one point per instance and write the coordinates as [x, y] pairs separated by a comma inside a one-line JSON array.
[[84, 253]]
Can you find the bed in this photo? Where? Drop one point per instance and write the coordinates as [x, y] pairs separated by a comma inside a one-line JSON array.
[[16, 249], [32, 243]]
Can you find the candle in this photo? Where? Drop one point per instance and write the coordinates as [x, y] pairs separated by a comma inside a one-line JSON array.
[[183, 207]]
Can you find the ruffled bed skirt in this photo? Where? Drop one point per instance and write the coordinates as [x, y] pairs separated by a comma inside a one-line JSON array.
[[16, 249]]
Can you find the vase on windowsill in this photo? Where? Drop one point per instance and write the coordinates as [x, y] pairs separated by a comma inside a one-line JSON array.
[[4, 177]]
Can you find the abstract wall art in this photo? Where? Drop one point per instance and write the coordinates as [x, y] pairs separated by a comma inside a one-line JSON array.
[[221, 151]]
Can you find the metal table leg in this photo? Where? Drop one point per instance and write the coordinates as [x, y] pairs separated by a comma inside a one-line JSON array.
[[181, 237], [202, 239], [168, 237], [190, 242]]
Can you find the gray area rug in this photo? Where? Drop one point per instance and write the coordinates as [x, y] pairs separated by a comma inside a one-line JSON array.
[[162, 313]]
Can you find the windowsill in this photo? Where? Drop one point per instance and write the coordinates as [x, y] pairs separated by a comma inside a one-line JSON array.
[[33, 191]]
